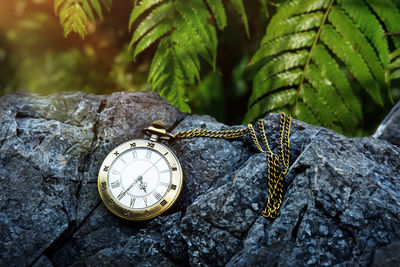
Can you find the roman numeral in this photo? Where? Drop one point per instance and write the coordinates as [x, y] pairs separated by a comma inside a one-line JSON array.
[[148, 154], [151, 145], [123, 161], [157, 195], [121, 195], [103, 186], [134, 154], [132, 202], [145, 201], [115, 172], [164, 171], [115, 184]]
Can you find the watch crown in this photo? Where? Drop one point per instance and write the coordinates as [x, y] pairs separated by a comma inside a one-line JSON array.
[[158, 124]]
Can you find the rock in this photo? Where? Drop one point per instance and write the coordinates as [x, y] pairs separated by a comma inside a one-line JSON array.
[[341, 206], [388, 255], [389, 129]]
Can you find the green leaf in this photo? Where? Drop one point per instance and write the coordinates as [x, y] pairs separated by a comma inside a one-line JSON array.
[[185, 35], [264, 86], [88, 9], [218, 10], [390, 15], [238, 4], [331, 53], [154, 18], [352, 60], [305, 113], [312, 99], [264, 7], [395, 53], [97, 7], [395, 74], [156, 33], [357, 40], [330, 69], [395, 64], [285, 43], [329, 98], [370, 26], [273, 102], [140, 9], [74, 14], [300, 23]]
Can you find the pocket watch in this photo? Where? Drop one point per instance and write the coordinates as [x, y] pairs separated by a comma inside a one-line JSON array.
[[140, 179]]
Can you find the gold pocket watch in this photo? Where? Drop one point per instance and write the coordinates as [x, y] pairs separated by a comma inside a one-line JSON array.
[[140, 179]]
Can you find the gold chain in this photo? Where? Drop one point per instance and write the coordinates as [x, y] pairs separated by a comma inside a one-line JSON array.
[[278, 165]]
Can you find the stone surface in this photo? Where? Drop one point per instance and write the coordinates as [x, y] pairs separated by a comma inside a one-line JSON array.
[[389, 129], [341, 206]]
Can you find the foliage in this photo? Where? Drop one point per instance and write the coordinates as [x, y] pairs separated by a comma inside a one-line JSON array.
[[32, 66], [319, 58], [185, 37], [394, 66], [74, 14], [332, 63]]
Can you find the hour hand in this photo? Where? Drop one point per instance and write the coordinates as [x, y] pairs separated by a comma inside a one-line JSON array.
[[140, 178]]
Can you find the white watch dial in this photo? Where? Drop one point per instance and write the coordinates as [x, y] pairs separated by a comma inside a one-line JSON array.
[[139, 178]]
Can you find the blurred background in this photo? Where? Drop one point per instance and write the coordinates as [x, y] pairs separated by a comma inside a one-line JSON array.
[[36, 57]]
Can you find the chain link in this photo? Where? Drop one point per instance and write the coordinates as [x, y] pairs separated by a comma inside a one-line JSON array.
[[278, 164]]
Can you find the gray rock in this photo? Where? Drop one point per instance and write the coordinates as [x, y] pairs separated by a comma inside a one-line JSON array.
[[389, 129], [388, 255], [341, 206]]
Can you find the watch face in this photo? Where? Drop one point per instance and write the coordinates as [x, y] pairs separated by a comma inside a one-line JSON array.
[[140, 179]]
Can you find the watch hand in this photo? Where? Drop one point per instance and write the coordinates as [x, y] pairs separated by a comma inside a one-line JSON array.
[[140, 178], [151, 166]]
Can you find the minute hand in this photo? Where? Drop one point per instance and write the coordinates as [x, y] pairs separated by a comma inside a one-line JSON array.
[[151, 166]]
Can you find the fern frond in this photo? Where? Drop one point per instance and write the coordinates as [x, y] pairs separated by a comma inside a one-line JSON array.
[[389, 14], [141, 8], [394, 66], [153, 19], [264, 7], [370, 26], [275, 102], [74, 14], [357, 40], [218, 10], [321, 49], [152, 36], [184, 33], [186, 36], [238, 5], [353, 61]]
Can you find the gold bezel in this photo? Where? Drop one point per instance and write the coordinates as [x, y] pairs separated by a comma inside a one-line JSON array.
[[161, 206]]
